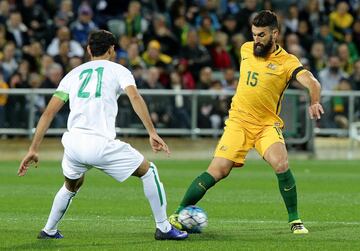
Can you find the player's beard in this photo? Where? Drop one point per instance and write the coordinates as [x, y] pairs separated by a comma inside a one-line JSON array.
[[261, 50]]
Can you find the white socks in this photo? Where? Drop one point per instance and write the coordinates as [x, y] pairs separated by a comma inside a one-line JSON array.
[[153, 189], [61, 203], [155, 193]]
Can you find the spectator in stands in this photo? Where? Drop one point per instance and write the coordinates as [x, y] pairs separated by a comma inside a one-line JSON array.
[[75, 62], [46, 61], [83, 25], [154, 57], [4, 11], [312, 13], [329, 6], [196, 55], [305, 35], [181, 29], [205, 78], [210, 108], [160, 31], [292, 19], [206, 32], [134, 25], [356, 34], [180, 115], [208, 10], [346, 62], [54, 75], [326, 37], [18, 29], [291, 39], [5, 37], [60, 20], [66, 11], [35, 81], [177, 9], [340, 21], [229, 25], [229, 7], [296, 50], [329, 79], [243, 17], [317, 57], [229, 81], [9, 64], [159, 107], [341, 105], [187, 79], [63, 57], [355, 77], [353, 51], [121, 51], [16, 106], [36, 19], [64, 34], [24, 71], [33, 53], [3, 100], [139, 73], [219, 52], [331, 75], [134, 56], [236, 42]]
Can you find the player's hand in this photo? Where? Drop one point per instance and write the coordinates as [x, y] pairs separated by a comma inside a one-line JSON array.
[[315, 111], [158, 144], [30, 158]]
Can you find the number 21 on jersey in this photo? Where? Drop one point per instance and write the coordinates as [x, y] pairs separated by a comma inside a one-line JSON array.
[[85, 77]]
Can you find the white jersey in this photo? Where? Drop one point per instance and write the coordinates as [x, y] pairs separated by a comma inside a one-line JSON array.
[[93, 89]]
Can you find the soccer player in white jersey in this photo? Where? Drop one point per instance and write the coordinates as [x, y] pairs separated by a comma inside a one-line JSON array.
[[92, 90]]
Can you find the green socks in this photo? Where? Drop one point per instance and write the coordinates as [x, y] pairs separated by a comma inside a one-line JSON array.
[[196, 190], [287, 188]]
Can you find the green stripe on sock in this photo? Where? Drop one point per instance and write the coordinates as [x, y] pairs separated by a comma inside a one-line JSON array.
[[157, 185]]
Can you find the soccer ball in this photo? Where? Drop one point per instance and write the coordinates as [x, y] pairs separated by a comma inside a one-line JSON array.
[[193, 218]]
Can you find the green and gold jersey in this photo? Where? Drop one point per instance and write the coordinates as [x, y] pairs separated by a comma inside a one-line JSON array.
[[262, 84]]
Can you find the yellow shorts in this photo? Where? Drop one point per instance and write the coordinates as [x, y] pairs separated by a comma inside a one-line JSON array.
[[238, 139]]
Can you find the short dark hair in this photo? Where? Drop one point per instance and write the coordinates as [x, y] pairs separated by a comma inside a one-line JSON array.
[[266, 18], [100, 42]]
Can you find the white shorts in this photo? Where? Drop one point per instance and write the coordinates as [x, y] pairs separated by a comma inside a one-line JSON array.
[[84, 151]]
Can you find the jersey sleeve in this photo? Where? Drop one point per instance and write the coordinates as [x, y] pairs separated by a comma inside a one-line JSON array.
[[125, 78], [62, 91], [294, 67]]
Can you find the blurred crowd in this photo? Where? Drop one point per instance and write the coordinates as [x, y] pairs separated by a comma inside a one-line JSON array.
[[176, 44]]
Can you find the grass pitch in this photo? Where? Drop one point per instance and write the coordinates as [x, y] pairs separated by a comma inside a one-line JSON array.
[[245, 210]]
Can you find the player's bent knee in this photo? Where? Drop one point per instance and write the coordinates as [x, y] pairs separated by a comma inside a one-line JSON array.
[[142, 169], [281, 166], [218, 172], [74, 185]]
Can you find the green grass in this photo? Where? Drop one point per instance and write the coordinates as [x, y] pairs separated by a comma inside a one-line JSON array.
[[245, 210]]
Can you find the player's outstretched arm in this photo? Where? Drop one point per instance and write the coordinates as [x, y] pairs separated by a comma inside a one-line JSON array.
[[139, 106], [308, 80], [46, 118]]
